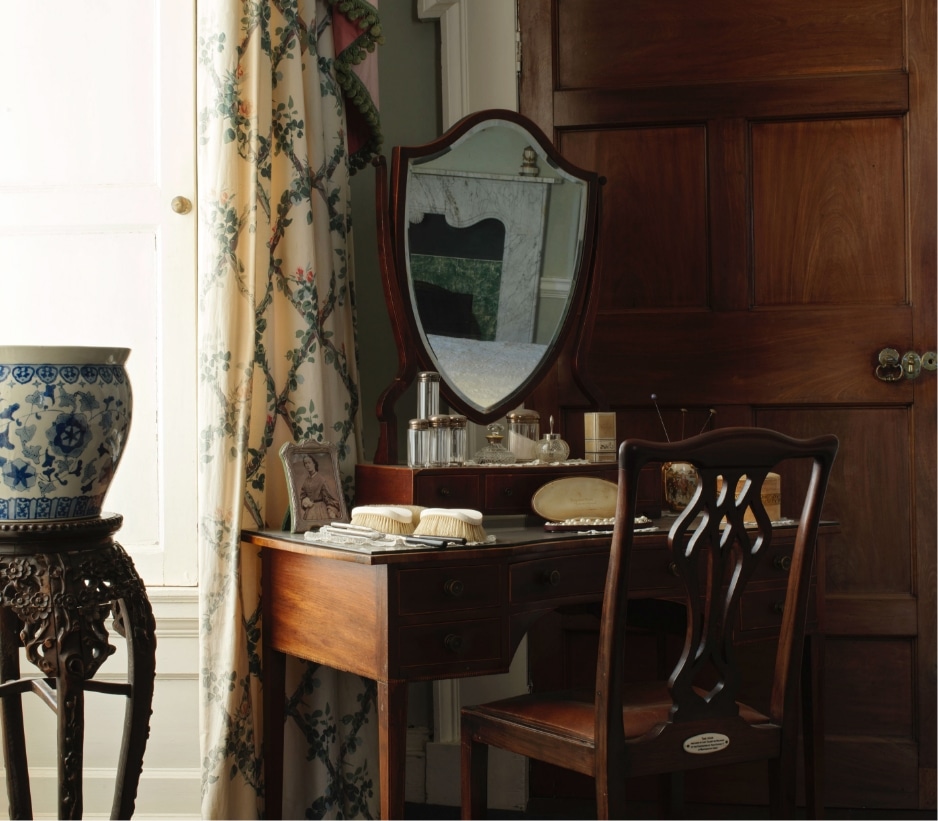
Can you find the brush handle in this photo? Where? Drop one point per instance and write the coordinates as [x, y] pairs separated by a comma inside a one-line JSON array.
[[433, 541], [354, 530]]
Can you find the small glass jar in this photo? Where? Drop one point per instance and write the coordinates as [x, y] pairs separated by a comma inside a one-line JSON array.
[[418, 443], [494, 453], [460, 425], [428, 394], [523, 432], [441, 440], [551, 448]]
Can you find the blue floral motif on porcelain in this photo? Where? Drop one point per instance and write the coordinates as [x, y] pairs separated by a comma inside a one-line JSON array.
[[65, 415]]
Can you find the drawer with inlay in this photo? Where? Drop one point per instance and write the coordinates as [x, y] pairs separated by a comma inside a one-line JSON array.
[[508, 491], [761, 609], [560, 577], [448, 490], [776, 564], [449, 589], [654, 569], [450, 648]]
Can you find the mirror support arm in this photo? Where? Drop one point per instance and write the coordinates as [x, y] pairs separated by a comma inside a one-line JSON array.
[[386, 452]]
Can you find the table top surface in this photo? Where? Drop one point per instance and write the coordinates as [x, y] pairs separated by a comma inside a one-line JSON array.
[[510, 538], [506, 537]]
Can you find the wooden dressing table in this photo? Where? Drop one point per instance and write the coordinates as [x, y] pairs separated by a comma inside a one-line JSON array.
[[428, 614], [420, 615]]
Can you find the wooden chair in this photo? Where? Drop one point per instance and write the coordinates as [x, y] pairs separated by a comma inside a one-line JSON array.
[[694, 719]]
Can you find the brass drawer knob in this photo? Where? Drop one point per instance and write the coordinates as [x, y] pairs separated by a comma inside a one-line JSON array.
[[550, 577], [443, 491], [453, 643], [782, 562], [454, 588], [778, 607], [673, 570]]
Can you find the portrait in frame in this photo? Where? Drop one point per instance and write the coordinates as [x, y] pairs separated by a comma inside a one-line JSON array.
[[314, 485]]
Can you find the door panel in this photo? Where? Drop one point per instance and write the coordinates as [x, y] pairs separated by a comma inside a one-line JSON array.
[[828, 212], [646, 42], [768, 227]]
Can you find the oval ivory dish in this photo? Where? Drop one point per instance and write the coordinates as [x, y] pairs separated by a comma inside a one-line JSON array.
[[575, 496]]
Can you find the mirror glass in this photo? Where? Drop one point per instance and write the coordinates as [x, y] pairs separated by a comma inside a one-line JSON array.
[[493, 235]]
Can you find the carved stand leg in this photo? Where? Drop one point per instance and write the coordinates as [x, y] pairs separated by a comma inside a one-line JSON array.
[[71, 737], [61, 597], [14, 737], [141, 672]]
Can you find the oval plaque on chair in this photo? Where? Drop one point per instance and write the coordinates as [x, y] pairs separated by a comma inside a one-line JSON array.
[[706, 743]]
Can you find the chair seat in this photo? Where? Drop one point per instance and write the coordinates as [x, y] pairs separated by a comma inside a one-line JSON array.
[[571, 714]]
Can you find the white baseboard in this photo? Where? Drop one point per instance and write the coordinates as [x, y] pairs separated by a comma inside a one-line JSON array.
[[415, 779], [163, 793], [508, 777]]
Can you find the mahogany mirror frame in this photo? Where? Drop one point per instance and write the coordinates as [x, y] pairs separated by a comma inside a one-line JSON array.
[[413, 356]]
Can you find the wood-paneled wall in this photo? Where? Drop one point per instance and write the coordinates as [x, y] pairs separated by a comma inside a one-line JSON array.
[[768, 226]]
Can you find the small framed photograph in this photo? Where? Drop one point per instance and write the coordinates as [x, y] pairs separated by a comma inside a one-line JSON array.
[[314, 484]]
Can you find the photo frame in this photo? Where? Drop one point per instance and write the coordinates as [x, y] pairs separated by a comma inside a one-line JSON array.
[[314, 484]]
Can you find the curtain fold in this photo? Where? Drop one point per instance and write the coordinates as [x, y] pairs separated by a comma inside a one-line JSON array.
[[287, 110]]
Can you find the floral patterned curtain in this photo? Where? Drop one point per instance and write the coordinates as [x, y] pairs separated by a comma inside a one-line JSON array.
[[286, 113]]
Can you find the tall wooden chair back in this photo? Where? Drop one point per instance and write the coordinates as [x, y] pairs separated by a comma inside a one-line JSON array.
[[696, 718]]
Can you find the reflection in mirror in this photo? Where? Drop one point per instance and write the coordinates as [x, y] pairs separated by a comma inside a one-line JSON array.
[[494, 235]]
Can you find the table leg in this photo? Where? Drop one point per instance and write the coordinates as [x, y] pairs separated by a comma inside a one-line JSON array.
[[392, 745], [275, 672]]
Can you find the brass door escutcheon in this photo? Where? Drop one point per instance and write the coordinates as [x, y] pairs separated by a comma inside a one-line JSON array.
[[893, 368]]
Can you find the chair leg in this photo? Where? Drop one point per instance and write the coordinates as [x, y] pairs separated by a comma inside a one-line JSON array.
[[671, 795], [812, 719], [474, 774], [11, 716], [133, 618], [782, 783], [71, 739]]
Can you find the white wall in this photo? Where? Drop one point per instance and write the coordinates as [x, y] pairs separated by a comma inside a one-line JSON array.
[[97, 135], [171, 780]]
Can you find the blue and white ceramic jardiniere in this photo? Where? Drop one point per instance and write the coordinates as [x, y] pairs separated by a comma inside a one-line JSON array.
[[64, 419]]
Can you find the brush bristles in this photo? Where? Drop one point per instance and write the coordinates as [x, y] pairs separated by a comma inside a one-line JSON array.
[[396, 520], [454, 523]]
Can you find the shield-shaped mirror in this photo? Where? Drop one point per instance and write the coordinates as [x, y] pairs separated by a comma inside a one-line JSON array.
[[492, 235]]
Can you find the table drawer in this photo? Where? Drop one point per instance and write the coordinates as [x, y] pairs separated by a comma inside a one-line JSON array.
[[651, 569], [454, 647], [512, 492], [762, 609], [776, 564], [448, 589], [558, 578], [454, 490]]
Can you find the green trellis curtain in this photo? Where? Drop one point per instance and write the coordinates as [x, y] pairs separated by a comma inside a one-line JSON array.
[[287, 111]]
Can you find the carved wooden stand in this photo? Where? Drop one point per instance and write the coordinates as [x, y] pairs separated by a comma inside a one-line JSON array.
[[59, 581]]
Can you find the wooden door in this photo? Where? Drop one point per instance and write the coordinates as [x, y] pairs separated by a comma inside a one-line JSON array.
[[768, 227]]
